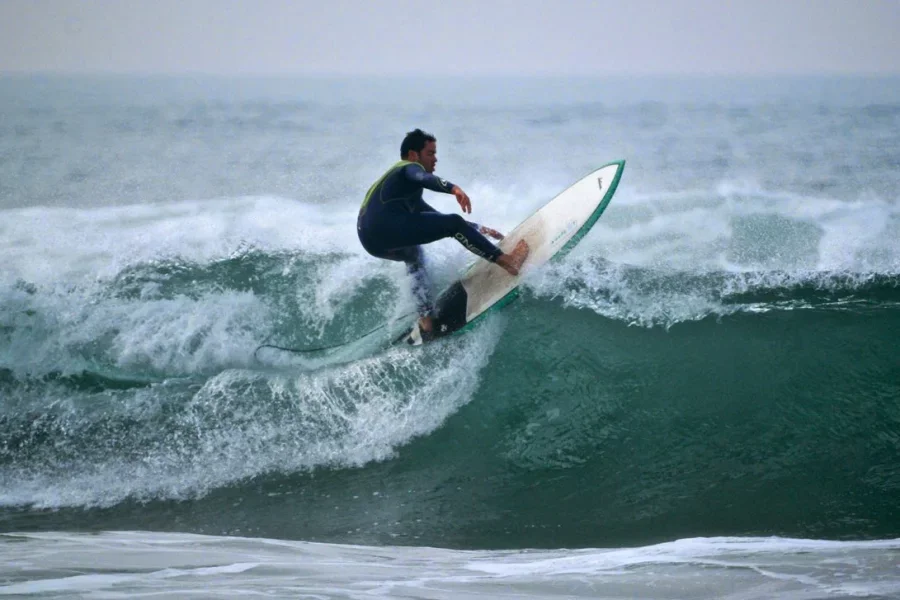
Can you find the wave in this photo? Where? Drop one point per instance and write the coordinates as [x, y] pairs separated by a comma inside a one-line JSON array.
[[138, 382], [157, 365], [180, 438], [660, 297], [179, 318], [219, 565]]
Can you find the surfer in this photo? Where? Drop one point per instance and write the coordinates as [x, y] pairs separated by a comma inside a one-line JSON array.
[[394, 221]]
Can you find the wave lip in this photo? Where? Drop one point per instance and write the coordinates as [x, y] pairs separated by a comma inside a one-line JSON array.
[[651, 297]]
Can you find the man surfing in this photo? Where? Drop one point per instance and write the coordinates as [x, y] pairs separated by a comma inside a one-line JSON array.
[[394, 221]]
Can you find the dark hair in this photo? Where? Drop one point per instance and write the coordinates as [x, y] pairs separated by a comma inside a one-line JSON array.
[[415, 141]]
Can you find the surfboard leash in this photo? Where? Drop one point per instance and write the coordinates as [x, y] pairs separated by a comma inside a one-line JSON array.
[[323, 348]]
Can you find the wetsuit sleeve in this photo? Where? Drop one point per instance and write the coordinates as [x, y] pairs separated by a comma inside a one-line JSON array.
[[417, 174], [424, 206]]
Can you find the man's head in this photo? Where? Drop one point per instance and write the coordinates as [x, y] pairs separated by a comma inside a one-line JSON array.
[[420, 147]]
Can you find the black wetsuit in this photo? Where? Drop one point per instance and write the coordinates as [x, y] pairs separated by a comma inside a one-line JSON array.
[[394, 221]]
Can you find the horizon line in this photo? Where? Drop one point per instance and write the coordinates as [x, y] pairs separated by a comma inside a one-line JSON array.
[[475, 75]]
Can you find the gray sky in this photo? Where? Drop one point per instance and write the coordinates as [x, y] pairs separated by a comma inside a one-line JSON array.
[[452, 36]]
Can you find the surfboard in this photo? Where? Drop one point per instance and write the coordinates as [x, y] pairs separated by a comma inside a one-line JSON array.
[[551, 233]]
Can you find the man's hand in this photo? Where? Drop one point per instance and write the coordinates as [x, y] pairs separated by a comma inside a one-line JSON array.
[[464, 203], [491, 232]]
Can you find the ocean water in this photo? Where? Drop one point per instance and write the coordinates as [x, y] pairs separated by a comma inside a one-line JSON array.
[[701, 401]]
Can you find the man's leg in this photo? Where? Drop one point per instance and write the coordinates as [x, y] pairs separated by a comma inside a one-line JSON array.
[[424, 228], [421, 281], [399, 238], [422, 290]]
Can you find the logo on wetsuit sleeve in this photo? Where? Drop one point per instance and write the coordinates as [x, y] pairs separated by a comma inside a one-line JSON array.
[[444, 182]]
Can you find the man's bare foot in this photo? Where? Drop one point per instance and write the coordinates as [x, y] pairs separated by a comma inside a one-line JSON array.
[[426, 323], [512, 261]]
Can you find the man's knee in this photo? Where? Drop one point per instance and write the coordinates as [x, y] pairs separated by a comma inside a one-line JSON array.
[[457, 224]]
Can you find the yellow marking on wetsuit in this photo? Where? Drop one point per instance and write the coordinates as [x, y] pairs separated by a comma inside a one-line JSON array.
[[398, 165]]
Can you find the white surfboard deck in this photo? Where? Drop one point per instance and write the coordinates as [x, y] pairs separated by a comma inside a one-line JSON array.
[[550, 233]]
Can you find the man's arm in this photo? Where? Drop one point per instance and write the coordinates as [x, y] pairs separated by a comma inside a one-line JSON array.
[[417, 173]]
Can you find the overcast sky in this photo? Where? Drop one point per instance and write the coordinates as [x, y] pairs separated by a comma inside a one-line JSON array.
[[586, 37]]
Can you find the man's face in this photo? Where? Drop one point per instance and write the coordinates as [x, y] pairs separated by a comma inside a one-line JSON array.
[[427, 157]]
